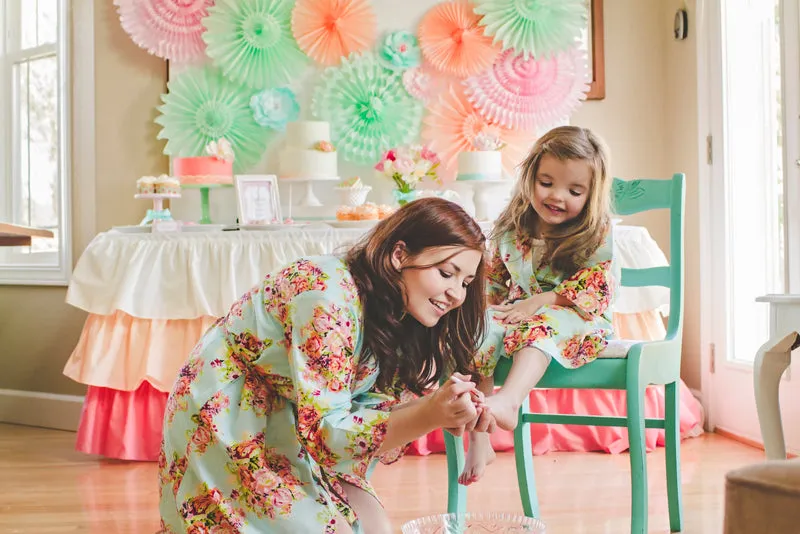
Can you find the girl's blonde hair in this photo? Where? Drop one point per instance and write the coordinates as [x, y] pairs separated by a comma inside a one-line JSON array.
[[571, 244]]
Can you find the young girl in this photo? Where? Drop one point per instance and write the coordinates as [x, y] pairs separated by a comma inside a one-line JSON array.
[[551, 277], [286, 403]]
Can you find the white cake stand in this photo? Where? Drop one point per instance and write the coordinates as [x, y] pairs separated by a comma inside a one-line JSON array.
[[482, 192], [308, 199], [158, 204]]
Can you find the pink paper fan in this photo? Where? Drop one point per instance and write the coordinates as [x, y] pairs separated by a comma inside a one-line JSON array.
[[423, 83], [166, 28], [452, 123], [452, 40], [530, 93], [328, 30]]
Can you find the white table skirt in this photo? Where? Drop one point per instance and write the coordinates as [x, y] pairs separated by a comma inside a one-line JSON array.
[[190, 275]]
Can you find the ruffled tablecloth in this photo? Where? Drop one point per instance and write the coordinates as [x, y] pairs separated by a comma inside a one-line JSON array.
[[151, 296]]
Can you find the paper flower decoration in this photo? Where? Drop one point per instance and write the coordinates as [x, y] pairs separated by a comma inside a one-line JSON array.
[[451, 125], [330, 30], [251, 42], [165, 28], [273, 108], [400, 50], [452, 40], [203, 106], [533, 27], [368, 108], [418, 83], [530, 93]]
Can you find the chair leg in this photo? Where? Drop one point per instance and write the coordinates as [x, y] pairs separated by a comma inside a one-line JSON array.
[[672, 441], [456, 493], [773, 358], [635, 404], [523, 454]]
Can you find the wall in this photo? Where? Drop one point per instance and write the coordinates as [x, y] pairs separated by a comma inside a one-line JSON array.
[[647, 118]]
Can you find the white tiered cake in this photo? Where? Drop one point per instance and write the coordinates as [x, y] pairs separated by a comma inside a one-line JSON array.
[[308, 153], [480, 165]]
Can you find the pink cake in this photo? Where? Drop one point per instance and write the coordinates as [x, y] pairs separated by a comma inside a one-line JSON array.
[[203, 170]]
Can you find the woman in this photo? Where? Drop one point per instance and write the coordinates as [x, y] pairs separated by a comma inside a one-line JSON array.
[[285, 404]]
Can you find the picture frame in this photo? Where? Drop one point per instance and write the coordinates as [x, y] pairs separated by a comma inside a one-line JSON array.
[[593, 41], [258, 200]]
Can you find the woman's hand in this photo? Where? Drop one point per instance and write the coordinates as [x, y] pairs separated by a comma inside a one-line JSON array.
[[520, 310], [452, 405]]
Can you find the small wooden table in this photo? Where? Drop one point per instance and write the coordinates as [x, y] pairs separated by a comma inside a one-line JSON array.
[[12, 235], [772, 360]]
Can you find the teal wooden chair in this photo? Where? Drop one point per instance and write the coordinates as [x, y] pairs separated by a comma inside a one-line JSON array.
[[645, 363]]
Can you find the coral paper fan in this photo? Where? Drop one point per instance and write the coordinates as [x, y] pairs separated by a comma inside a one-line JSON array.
[[451, 124], [166, 28], [453, 41], [534, 27], [251, 42], [368, 108], [530, 93], [203, 106], [330, 30]]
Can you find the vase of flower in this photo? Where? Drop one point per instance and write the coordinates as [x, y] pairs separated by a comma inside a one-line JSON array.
[[407, 166]]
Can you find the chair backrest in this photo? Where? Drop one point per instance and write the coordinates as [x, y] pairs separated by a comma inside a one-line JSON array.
[[635, 196]]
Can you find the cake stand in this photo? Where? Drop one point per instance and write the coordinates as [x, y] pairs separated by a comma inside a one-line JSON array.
[[204, 193], [483, 191], [309, 199], [158, 211]]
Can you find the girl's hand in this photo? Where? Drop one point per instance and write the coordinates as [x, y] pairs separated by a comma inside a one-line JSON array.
[[451, 406], [520, 310]]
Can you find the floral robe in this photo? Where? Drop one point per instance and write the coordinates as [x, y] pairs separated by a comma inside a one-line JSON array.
[[573, 336], [274, 410]]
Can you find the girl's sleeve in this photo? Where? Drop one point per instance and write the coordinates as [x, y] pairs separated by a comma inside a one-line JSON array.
[[497, 275], [342, 434], [592, 289]]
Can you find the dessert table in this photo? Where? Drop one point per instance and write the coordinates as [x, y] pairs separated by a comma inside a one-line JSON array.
[[151, 296]]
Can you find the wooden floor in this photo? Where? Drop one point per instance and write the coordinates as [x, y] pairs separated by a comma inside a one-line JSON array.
[[47, 487]]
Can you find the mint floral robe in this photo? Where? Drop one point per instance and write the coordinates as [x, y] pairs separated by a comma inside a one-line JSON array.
[[573, 336], [274, 410]]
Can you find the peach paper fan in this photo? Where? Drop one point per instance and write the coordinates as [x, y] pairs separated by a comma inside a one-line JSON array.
[[166, 28], [530, 93], [330, 30], [454, 42], [451, 124]]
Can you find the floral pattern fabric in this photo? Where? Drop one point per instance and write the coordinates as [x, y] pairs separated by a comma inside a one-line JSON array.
[[574, 335], [274, 410]]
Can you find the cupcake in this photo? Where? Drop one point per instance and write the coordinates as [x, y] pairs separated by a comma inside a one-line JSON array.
[[384, 210], [345, 213], [146, 185], [167, 185], [367, 212]]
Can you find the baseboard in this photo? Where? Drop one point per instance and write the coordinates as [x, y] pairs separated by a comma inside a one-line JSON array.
[[746, 441], [46, 410]]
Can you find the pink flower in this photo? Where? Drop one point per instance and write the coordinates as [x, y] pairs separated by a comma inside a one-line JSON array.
[[281, 497], [325, 146], [429, 155], [391, 155]]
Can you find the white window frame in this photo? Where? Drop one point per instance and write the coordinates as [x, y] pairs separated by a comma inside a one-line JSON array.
[[17, 267]]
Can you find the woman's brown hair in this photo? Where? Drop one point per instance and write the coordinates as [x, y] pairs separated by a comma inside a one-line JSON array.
[[407, 352], [572, 243]]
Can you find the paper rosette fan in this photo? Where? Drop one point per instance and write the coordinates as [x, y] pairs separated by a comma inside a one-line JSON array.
[[530, 93], [453, 41], [452, 123], [368, 108], [170, 29], [203, 106], [330, 30], [252, 42], [533, 27]]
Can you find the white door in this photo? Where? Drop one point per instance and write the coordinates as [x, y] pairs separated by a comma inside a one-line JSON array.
[[751, 64]]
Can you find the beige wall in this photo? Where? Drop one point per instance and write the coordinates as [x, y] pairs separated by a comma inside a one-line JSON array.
[[648, 119]]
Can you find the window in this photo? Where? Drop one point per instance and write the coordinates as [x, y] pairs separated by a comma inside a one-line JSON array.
[[34, 154]]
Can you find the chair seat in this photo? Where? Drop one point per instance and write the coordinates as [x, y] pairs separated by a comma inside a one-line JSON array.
[[617, 348]]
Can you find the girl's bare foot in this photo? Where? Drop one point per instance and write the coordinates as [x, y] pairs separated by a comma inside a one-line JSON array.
[[504, 410], [479, 455]]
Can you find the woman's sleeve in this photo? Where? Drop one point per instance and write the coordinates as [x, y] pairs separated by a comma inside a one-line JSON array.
[[592, 289], [497, 275], [340, 433]]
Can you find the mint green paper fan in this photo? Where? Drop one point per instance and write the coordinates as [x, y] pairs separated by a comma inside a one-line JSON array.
[[368, 108], [536, 28], [252, 42], [201, 106]]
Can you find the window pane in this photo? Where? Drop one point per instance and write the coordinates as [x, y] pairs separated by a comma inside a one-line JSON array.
[[28, 18], [753, 168], [38, 144], [39, 22]]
